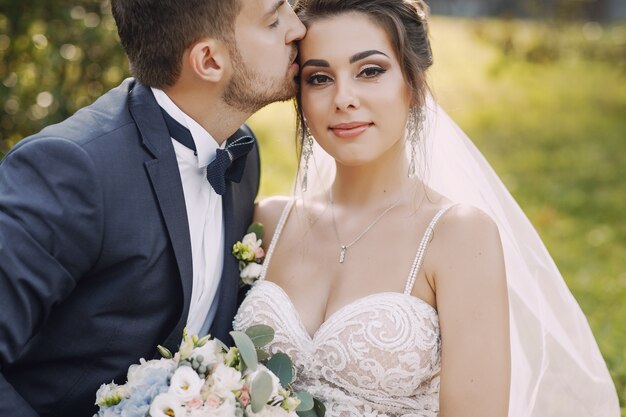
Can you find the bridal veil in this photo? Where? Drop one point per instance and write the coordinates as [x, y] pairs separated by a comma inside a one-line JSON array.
[[556, 366]]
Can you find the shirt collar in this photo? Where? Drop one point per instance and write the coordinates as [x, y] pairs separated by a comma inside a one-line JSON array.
[[206, 146]]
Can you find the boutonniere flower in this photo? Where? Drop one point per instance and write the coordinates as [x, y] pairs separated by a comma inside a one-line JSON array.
[[250, 254]]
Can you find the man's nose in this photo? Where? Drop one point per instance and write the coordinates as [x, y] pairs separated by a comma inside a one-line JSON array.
[[297, 30]]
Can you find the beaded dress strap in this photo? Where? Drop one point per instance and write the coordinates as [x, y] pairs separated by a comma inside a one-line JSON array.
[[279, 229], [421, 251]]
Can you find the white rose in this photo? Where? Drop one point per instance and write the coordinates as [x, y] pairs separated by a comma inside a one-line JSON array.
[[251, 242], [275, 381], [225, 380], [185, 384], [251, 273], [166, 405], [210, 352]]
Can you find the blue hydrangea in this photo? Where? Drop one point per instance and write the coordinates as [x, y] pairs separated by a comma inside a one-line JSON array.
[[155, 381]]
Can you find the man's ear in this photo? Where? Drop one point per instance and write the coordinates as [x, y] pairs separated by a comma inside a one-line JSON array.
[[208, 58]]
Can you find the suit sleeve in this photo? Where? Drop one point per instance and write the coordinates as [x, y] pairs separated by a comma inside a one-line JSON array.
[[50, 235]]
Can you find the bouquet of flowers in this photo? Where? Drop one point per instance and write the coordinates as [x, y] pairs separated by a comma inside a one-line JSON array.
[[205, 379]]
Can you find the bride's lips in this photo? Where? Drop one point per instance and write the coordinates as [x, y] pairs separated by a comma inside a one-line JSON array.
[[350, 130]]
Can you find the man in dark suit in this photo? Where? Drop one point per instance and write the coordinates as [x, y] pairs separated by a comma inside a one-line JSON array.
[[116, 225]]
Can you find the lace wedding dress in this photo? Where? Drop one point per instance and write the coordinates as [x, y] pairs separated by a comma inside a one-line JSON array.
[[377, 356]]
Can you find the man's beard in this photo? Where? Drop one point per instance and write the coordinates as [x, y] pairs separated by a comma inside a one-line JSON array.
[[248, 91]]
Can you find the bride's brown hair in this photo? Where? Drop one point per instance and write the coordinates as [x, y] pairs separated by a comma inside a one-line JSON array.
[[405, 23]]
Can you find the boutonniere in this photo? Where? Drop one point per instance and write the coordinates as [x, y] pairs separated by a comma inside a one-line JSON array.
[[250, 254]]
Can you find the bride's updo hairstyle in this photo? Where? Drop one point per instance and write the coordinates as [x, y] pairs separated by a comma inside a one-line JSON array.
[[405, 23]]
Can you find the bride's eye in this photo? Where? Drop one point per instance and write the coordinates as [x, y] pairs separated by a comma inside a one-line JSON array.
[[318, 79], [372, 71]]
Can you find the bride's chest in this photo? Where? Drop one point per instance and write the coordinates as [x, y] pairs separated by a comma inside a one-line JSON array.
[[387, 342]]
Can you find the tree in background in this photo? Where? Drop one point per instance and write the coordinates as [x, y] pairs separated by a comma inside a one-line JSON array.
[[55, 57]]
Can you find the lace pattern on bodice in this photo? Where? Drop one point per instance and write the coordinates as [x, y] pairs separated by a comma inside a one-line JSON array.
[[377, 356]]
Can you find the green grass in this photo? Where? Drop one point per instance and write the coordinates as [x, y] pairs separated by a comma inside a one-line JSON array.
[[552, 122]]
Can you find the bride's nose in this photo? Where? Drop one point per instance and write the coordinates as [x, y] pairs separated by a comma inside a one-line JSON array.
[[346, 96]]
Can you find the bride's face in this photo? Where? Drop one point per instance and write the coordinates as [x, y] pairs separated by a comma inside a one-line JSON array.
[[353, 93]]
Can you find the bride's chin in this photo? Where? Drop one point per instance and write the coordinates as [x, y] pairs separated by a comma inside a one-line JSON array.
[[353, 162]]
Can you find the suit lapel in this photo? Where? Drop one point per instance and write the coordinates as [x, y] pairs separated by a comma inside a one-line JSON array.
[[165, 177]]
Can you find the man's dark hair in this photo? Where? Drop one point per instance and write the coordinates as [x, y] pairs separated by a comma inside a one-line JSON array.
[[156, 33]]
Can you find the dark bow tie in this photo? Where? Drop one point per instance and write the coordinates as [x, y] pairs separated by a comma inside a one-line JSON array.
[[229, 163]]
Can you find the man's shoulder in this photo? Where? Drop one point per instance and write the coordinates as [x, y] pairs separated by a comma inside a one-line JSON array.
[[109, 115], [103, 117]]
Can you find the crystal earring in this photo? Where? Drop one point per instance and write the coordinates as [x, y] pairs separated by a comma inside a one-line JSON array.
[[413, 130], [307, 151]]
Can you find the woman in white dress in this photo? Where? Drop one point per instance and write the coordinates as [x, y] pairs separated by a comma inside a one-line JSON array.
[[391, 296]]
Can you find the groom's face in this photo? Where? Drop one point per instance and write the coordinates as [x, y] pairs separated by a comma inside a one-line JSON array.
[[263, 58]]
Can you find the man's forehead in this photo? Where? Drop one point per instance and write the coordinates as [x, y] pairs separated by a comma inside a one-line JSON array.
[[261, 9]]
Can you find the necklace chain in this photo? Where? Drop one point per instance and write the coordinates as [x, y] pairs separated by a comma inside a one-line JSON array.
[[343, 248]]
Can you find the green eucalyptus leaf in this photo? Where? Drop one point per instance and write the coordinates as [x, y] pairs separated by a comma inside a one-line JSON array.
[[260, 391], [246, 349], [307, 413], [306, 403], [318, 410], [262, 355], [165, 352], [257, 229], [319, 407], [280, 365], [260, 334]]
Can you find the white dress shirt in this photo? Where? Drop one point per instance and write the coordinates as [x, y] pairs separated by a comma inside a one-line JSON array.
[[204, 212]]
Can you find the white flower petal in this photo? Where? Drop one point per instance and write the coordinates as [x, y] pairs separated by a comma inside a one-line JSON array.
[[185, 384], [251, 273], [225, 380], [166, 403]]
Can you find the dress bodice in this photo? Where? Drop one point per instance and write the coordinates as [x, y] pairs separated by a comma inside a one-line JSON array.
[[376, 356]]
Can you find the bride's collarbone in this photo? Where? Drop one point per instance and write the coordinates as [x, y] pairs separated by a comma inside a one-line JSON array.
[[326, 285], [306, 264]]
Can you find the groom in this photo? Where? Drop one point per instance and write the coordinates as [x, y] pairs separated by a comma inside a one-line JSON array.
[[116, 224]]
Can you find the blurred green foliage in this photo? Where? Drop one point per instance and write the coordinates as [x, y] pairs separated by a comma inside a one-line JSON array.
[[554, 127], [55, 57], [545, 102], [545, 42]]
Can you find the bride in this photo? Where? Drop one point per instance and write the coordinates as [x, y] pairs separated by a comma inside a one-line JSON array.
[[402, 278]]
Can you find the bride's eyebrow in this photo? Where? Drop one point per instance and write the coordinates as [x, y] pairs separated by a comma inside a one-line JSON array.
[[362, 55], [316, 63], [354, 58]]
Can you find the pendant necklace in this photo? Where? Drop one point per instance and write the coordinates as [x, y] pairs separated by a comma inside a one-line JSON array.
[[343, 248]]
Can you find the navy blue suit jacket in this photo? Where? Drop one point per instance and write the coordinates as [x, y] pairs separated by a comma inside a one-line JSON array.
[[95, 255]]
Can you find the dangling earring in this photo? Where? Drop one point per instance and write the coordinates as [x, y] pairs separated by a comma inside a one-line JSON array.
[[414, 126], [307, 151]]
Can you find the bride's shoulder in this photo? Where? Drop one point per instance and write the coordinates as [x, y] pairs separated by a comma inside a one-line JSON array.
[[464, 217], [465, 260], [267, 211], [466, 232]]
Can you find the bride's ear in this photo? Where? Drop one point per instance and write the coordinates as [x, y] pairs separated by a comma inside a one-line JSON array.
[[208, 59]]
